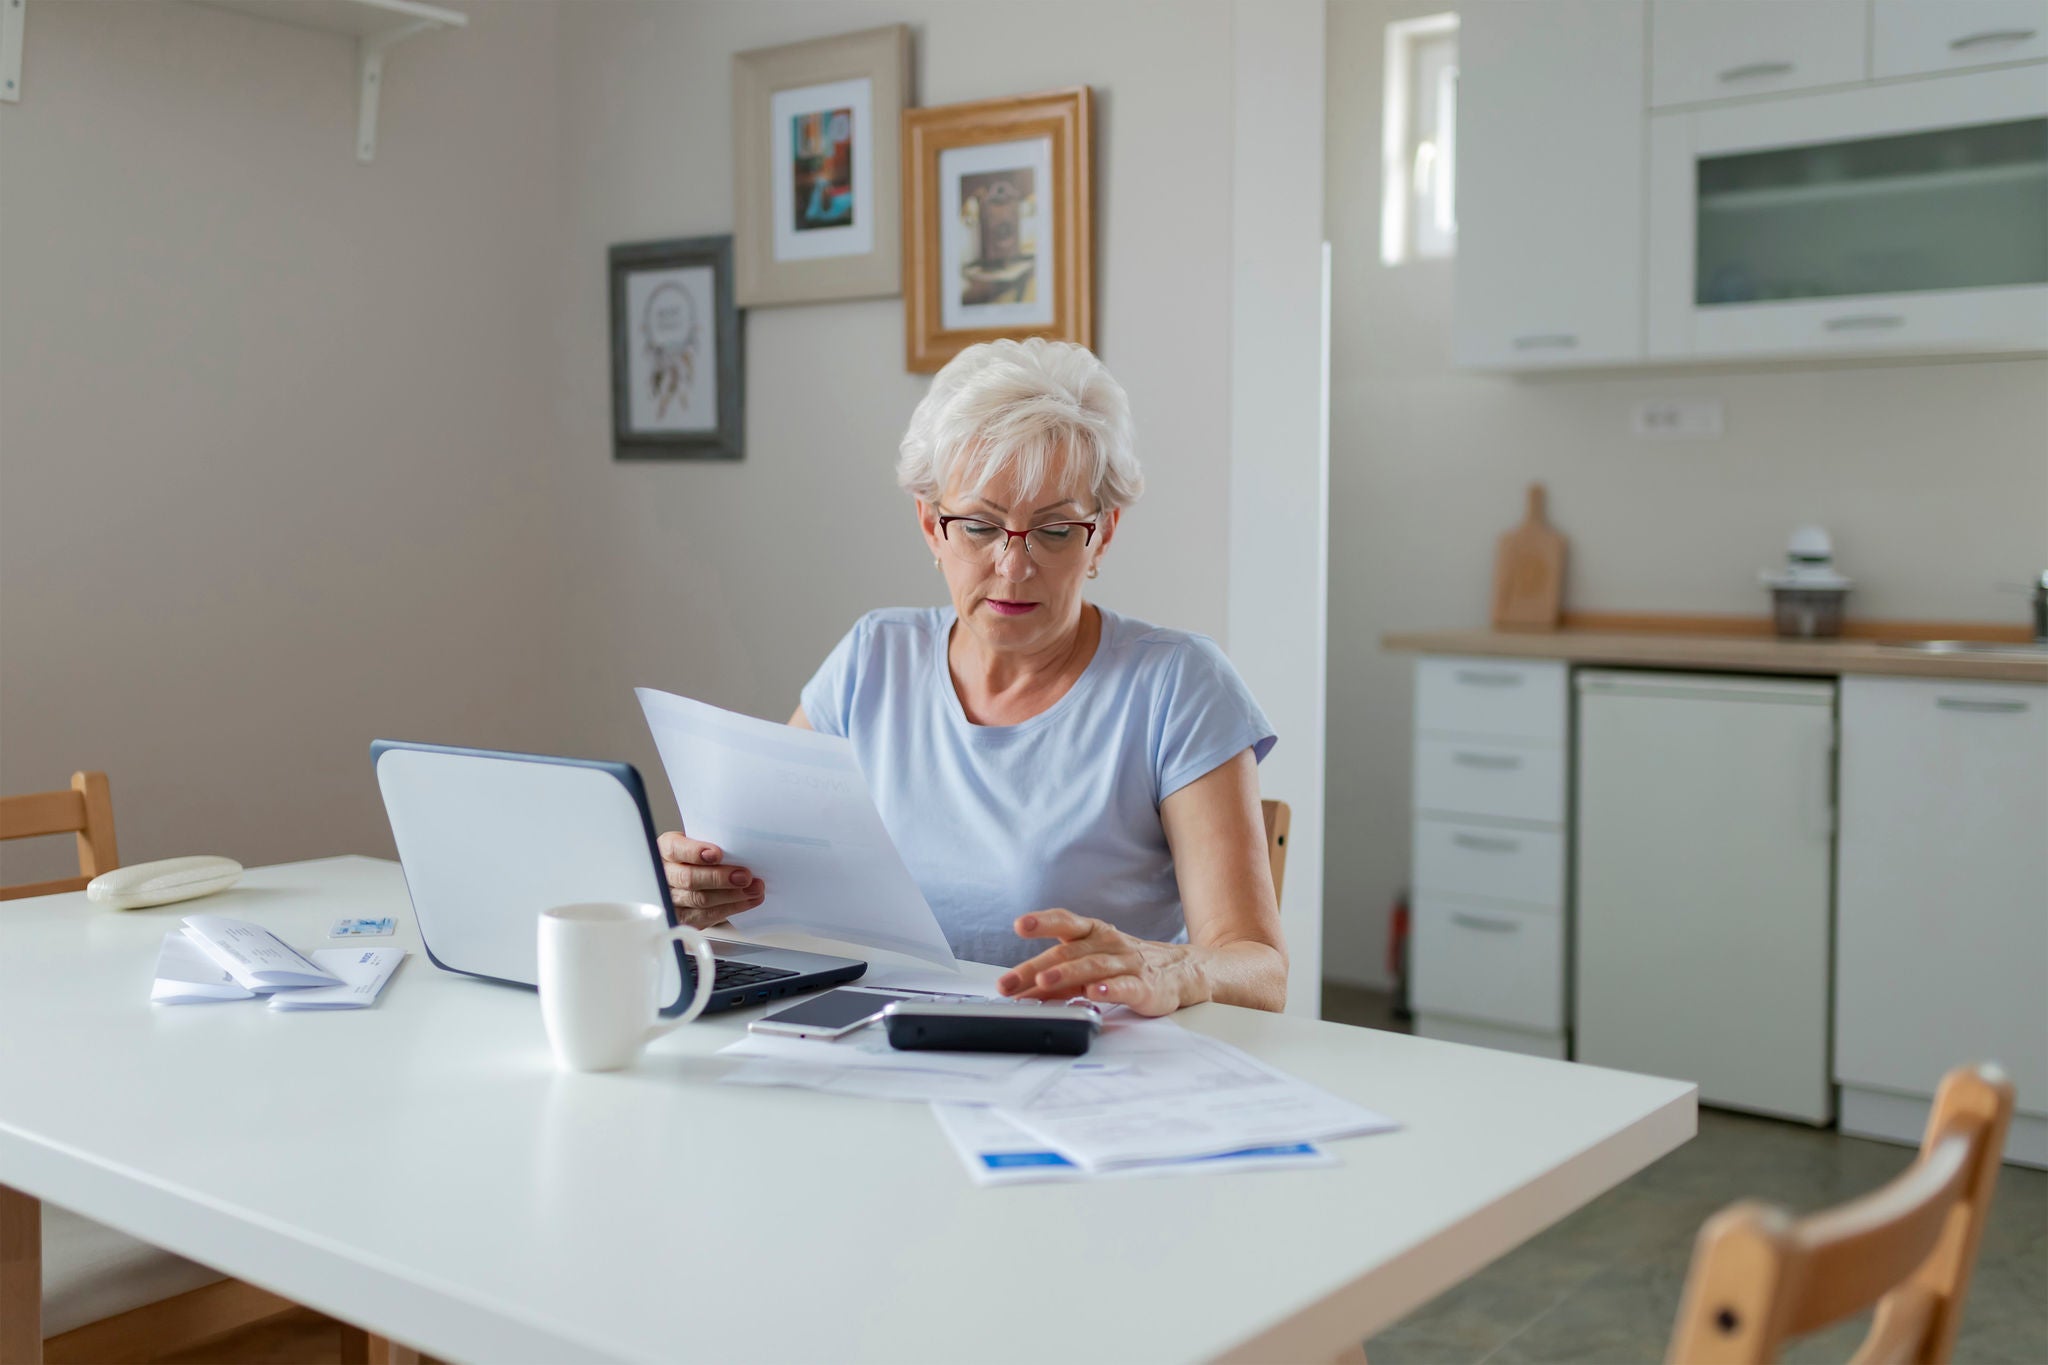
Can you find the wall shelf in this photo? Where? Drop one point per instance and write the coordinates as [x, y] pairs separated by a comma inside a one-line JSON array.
[[376, 26]]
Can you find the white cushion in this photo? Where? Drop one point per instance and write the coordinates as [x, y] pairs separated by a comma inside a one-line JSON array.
[[91, 1272]]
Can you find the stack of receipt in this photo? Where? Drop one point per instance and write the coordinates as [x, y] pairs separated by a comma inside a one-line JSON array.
[[214, 957]]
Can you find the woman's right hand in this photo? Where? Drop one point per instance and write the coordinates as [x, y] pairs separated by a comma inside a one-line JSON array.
[[705, 890]]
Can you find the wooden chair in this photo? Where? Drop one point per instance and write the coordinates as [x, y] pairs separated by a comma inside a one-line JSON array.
[[1278, 818], [101, 1296], [1760, 1276], [86, 810]]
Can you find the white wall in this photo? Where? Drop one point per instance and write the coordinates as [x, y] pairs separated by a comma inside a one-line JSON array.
[[730, 583], [1932, 477], [272, 423]]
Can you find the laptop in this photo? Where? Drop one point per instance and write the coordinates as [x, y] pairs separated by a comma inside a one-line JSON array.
[[489, 840]]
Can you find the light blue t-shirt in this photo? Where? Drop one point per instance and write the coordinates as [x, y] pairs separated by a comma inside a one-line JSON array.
[[1061, 810]]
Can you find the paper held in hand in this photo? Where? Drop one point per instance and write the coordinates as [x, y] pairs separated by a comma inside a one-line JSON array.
[[792, 805]]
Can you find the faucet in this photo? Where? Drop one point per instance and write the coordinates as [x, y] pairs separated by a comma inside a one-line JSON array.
[[2040, 596]]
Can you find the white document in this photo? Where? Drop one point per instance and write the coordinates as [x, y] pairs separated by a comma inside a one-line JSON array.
[[257, 959], [363, 972], [907, 1083], [1180, 1094], [186, 976], [998, 1152], [868, 1049], [793, 805]]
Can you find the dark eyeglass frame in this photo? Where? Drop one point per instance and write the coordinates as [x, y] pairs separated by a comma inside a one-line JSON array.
[[1087, 529]]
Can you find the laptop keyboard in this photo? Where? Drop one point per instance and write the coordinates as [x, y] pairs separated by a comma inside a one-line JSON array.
[[735, 975]]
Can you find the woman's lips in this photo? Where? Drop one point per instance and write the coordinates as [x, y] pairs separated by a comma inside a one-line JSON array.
[[1002, 608]]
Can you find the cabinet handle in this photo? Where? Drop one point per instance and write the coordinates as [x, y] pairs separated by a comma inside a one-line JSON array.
[[1994, 35], [1483, 925], [1488, 677], [1750, 71], [1858, 322], [1496, 762], [1982, 707], [1480, 843], [1546, 341]]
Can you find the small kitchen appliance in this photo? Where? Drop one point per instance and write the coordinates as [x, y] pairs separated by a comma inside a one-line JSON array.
[[1807, 595]]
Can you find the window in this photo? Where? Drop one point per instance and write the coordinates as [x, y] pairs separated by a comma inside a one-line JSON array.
[[1419, 144]]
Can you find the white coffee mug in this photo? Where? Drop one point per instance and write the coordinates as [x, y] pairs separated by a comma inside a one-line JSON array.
[[600, 971]]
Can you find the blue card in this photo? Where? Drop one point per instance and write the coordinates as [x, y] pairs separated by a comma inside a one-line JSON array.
[[363, 928]]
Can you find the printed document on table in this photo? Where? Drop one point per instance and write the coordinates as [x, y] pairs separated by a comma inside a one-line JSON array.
[[1178, 1094], [363, 972], [793, 805], [907, 1083], [187, 976], [998, 1152]]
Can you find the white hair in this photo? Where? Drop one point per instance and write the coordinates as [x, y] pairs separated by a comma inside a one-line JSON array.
[[1019, 405]]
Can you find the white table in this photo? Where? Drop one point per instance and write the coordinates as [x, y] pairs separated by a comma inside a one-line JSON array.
[[422, 1171]]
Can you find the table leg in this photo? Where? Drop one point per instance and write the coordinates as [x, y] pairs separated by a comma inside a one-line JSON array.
[[1353, 1356], [367, 1348], [21, 1278]]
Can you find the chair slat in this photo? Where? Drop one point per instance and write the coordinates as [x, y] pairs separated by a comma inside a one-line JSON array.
[[1858, 1253], [57, 812]]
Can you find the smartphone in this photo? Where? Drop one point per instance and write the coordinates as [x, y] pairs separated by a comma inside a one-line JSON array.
[[1064, 1028], [831, 1015]]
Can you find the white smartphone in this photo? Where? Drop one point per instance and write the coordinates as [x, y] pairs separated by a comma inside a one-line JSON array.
[[831, 1015]]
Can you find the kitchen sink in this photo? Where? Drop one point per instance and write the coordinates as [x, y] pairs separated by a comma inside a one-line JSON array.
[[2036, 650]]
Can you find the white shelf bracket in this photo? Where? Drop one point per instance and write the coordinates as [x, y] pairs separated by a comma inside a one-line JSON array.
[[11, 19], [370, 81]]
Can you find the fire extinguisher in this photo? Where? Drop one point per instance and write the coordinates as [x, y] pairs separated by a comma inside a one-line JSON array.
[[1397, 954]]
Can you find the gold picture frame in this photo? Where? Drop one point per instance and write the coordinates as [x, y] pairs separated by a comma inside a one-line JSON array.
[[984, 186], [817, 184]]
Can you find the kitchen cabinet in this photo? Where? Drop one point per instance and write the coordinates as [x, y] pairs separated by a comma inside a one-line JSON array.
[[1489, 854], [1916, 37], [1941, 952], [1724, 49], [1704, 833], [1550, 183], [1909, 217]]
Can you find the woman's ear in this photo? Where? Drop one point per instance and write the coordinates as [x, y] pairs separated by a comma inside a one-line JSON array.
[[1108, 531], [928, 522]]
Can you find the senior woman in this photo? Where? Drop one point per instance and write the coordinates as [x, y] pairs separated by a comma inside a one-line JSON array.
[[1049, 769]]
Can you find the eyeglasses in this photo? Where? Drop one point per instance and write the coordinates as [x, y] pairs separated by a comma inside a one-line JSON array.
[[976, 540]]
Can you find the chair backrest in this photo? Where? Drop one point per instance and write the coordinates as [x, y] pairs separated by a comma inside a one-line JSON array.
[[1760, 1276], [86, 810], [1277, 817]]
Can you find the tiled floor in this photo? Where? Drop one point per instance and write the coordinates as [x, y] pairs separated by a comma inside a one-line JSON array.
[[1602, 1287]]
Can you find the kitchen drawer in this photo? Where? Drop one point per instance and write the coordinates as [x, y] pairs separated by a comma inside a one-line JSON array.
[[1728, 49], [1489, 963], [1477, 860], [1511, 698], [1506, 781], [1911, 37]]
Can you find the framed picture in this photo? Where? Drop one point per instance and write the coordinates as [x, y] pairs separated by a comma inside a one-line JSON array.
[[676, 383], [999, 216], [817, 188]]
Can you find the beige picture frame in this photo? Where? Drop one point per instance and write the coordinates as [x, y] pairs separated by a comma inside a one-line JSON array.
[[806, 229]]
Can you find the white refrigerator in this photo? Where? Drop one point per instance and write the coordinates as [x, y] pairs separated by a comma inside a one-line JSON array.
[[1703, 849]]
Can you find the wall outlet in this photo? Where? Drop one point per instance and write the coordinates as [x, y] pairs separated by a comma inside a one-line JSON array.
[[1683, 418]]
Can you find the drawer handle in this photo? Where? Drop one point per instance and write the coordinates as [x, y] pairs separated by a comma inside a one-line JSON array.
[[1480, 843], [1488, 677], [1750, 71], [1494, 762], [1995, 35], [1484, 925], [1980, 706], [1546, 341], [1864, 322]]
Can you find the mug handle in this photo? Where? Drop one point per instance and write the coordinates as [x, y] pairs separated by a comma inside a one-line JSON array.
[[707, 967]]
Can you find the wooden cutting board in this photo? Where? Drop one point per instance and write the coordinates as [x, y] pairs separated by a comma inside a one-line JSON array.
[[1528, 572]]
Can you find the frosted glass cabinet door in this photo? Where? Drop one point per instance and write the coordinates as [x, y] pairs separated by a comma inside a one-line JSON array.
[[1550, 183]]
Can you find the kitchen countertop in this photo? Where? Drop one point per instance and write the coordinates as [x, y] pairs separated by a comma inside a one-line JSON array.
[[1720, 653]]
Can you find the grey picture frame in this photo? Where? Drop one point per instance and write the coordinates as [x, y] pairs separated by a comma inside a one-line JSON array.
[[728, 440], [882, 57]]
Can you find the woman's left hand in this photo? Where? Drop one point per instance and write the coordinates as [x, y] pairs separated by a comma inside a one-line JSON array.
[[1102, 963]]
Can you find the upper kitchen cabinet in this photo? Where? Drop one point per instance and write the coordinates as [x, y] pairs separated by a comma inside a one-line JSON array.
[[1721, 49], [1899, 217], [1550, 183], [1914, 37]]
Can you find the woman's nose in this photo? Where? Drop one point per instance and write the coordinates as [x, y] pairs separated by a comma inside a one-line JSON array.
[[1014, 564]]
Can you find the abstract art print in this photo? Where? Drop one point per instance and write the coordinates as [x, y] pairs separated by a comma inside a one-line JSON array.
[[817, 176], [998, 220], [676, 388]]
